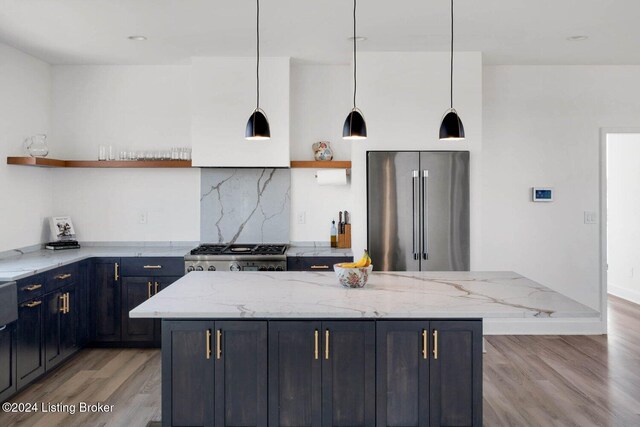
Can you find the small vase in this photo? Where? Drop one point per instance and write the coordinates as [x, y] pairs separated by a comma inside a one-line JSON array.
[[37, 145], [322, 151]]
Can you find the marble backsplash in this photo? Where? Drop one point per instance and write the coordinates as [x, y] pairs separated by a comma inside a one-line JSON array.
[[244, 205]]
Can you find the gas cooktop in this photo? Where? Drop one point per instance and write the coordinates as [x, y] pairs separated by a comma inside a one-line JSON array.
[[239, 249]]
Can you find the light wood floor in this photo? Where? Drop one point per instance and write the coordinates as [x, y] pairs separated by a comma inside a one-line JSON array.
[[528, 381]]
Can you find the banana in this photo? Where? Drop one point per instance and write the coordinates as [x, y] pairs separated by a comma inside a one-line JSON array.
[[363, 262]]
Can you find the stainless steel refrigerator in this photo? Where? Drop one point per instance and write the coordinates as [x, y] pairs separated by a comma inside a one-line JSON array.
[[418, 210]]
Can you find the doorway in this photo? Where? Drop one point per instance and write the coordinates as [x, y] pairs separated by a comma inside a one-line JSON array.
[[622, 192]]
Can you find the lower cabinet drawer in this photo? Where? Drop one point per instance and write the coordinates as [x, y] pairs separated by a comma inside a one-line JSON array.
[[305, 263], [152, 266], [61, 276], [30, 287]]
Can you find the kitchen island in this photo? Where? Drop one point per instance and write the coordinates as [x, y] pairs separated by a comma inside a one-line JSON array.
[[296, 349]]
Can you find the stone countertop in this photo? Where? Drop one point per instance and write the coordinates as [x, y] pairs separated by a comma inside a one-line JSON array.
[[319, 251], [28, 264], [317, 295]]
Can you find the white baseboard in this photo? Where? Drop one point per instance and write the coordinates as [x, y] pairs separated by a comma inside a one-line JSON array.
[[566, 326], [624, 293]]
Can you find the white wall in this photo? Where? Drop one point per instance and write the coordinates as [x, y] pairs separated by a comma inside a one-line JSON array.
[[403, 97], [133, 108], [542, 128], [25, 88], [320, 101], [223, 96], [623, 205]]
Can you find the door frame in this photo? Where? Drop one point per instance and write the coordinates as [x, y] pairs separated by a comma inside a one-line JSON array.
[[604, 131]]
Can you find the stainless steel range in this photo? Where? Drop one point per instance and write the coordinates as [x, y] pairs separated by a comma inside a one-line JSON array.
[[238, 257]]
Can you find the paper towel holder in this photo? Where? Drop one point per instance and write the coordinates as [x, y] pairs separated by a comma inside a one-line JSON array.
[[348, 173]]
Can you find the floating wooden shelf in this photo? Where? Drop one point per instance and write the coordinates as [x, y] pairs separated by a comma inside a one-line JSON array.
[[54, 163], [331, 164]]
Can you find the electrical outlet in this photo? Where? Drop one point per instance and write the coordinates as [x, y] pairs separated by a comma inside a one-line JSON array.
[[302, 217], [142, 218], [590, 217]]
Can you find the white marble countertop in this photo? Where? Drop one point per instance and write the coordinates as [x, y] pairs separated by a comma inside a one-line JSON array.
[[387, 295], [323, 251], [27, 264]]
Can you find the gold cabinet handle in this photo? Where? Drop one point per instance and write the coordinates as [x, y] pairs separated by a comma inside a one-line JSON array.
[[32, 304], [152, 267], [315, 349], [435, 344], [32, 288], [424, 344], [149, 290], [319, 267], [62, 298], [63, 276], [326, 344], [68, 305], [218, 344], [156, 288], [208, 349], [116, 271]]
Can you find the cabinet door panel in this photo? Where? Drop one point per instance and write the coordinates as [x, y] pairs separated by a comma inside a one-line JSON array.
[[187, 373], [30, 341], [52, 349], [105, 300], [241, 374], [456, 375], [295, 374], [69, 322], [402, 373], [348, 374], [7, 361], [135, 291]]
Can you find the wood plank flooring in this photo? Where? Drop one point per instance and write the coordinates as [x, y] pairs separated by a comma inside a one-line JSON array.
[[528, 381]]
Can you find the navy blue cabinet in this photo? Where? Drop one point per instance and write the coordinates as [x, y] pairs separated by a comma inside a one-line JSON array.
[[60, 325], [106, 300], [30, 341], [7, 360], [315, 263]]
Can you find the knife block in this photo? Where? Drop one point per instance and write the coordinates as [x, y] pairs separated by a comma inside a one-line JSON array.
[[344, 239]]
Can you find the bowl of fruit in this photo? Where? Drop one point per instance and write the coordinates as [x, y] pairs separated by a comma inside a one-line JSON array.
[[354, 274]]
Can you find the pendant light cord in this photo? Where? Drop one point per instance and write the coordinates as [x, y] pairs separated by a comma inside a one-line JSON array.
[[451, 71], [257, 54], [355, 62]]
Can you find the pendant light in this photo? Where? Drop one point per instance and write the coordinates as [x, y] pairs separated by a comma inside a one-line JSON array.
[[258, 124], [354, 126], [451, 128]]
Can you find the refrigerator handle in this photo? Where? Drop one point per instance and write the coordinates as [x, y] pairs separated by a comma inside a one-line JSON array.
[[425, 214], [416, 215]]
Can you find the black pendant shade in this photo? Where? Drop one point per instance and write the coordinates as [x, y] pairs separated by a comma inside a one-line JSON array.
[[451, 127], [258, 126], [354, 126]]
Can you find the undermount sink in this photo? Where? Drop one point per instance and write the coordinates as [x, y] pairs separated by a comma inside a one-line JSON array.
[[8, 303]]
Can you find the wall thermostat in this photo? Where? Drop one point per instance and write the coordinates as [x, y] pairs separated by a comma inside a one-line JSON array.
[[542, 194]]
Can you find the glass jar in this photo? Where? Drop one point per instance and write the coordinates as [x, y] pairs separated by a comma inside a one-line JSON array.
[[37, 145]]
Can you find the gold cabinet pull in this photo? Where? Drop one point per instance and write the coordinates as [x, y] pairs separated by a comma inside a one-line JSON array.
[[149, 290], [218, 344], [63, 298], [32, 288], [208, 349], [152, 267], [424, 344], [32, 304], [326, 344], [319, 267], [68, 305], [435, 344], [315, 348], [116, 270], [63, 276], [156, 288]]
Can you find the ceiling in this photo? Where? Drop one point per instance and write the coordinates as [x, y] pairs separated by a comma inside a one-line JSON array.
[[506, 31]]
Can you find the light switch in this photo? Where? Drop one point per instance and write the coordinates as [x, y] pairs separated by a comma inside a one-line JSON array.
[[590, 217], [142, 218]]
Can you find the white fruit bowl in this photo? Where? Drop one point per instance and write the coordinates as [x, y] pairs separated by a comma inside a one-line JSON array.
[[352, 277]]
